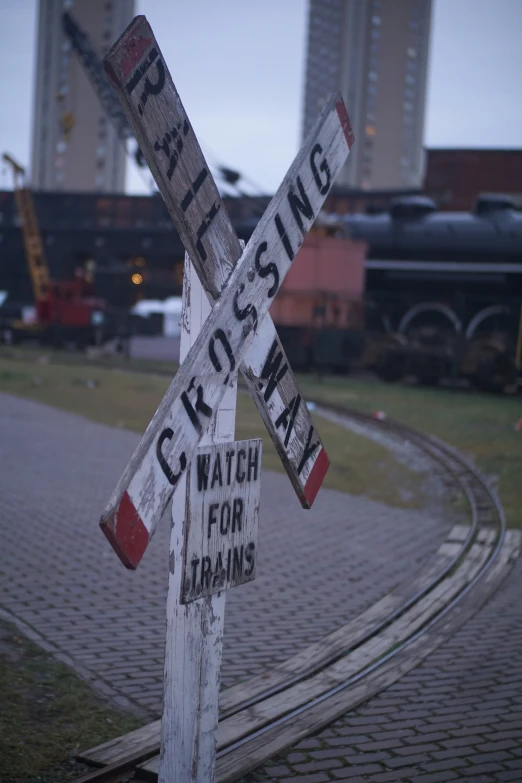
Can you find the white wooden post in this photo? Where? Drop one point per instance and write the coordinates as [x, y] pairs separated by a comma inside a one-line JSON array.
[[194, 630]]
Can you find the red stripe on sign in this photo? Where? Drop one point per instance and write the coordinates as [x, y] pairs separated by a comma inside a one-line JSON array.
[[345, 122], [316, 477], [132, 44], [126, 533]]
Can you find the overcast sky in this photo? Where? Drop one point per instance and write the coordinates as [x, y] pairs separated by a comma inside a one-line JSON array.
[[239, 67]]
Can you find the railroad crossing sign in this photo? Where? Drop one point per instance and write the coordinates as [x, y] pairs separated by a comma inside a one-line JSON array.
[[243, 287], [233, 332]]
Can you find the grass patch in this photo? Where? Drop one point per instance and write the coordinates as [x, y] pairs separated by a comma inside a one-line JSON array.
[[128, 400], [47, 714], [358, 465], [480, 425], [29, 353]]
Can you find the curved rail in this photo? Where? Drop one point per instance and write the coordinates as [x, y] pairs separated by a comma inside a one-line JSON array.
[[444, 454], [421, 593]]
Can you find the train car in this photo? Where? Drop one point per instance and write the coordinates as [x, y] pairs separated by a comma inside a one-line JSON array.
[[443, 290], [319, 308]]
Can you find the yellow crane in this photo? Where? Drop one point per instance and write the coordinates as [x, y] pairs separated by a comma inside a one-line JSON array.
[[34, 251]]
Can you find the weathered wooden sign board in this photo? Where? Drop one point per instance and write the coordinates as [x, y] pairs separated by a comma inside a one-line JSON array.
[[245, 291], [225, 328], [222, 518]]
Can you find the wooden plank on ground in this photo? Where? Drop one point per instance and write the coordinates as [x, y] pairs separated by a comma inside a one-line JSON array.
[[232, 766], [258, 715], [338, 642], [314, 656]]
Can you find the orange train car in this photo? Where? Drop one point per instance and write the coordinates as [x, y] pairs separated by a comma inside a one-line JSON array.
[[319, 309]]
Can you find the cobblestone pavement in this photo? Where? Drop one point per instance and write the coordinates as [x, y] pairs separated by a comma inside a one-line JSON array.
[[317, 569], [456, 717]]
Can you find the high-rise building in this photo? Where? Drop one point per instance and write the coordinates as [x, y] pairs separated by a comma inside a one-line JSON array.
[[375, 52], [74, 146]]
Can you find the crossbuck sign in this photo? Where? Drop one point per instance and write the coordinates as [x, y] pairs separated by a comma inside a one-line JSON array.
[[237, 334]]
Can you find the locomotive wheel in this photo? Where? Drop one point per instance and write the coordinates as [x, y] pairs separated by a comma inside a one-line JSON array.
[[390, 365], [428, 368], [494, 373]]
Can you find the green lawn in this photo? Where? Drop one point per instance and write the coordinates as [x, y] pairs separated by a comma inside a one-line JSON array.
[[47, 714], [480, 425]]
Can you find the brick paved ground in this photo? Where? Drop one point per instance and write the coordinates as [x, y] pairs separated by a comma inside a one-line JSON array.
[[456, 717], [59, 576]]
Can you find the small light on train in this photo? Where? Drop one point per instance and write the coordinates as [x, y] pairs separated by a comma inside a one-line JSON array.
[[370, 130], [137, 279]]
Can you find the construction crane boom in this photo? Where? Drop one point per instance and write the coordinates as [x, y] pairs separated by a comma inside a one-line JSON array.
[[93, 68], [33, 245]]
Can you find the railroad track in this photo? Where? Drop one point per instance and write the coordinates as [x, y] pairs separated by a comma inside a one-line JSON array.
[[270, 712]]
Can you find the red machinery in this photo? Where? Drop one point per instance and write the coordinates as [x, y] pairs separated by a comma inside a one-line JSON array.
[[66, 311]]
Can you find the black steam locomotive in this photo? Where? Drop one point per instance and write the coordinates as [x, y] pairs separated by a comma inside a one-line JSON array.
[[443, 290]]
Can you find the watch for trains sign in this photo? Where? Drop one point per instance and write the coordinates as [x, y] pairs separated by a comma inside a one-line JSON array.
[[222, 518]]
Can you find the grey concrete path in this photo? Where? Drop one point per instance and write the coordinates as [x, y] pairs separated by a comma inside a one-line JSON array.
[[59, 576]]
